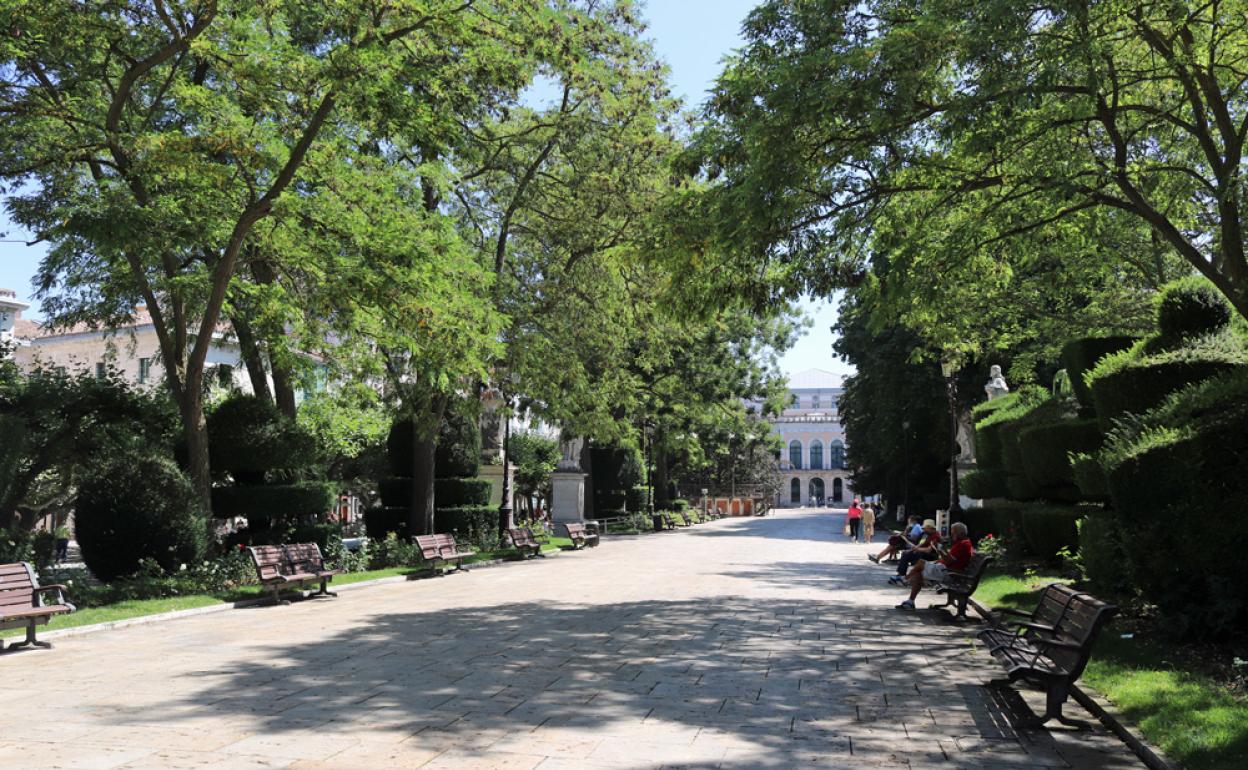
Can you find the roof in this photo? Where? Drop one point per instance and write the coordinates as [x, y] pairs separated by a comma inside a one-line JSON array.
[[34, 330], [815, 379]]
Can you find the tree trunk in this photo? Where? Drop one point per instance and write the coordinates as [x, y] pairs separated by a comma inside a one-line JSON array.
[[662, 482], [587, 467], [252, 357], [191, 407], [420, 513], [283, 388]]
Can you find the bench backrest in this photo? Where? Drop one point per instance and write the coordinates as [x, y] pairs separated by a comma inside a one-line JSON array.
[[1080, 625], [575, 529], [968, 579], [17, 587], [1054, 602], [521, 536], [304, 557], [429, 546], [270, 561]]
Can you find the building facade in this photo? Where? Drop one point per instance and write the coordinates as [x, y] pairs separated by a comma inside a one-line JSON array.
[[812, 458]]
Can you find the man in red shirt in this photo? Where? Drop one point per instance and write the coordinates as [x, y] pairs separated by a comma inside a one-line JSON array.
[[955, 560]]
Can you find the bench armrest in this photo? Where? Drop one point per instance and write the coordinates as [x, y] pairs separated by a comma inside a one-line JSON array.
[[60, 591], [1033, 626], [1059, 643], [1011, 611]]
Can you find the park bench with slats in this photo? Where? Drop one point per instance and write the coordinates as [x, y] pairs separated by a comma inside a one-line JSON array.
[[440, 551], [580, 535], [1054, 602], [958, 586], [1055, 659], [524, 542], [22, 603], [286, 567]]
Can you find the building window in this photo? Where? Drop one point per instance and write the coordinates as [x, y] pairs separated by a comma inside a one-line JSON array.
[[836, 455], [795, 455], [814, 402], [101, 371], [838, 490], [816, 455], [795, 491], [145, 369]]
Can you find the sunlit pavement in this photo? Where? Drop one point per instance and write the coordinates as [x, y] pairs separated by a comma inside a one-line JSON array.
[[761, 642]]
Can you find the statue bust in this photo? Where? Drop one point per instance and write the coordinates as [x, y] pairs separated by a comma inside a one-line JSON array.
[[571, 450], [996, 385]]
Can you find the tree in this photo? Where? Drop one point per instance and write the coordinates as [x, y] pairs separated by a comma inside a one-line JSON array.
[[839, 118], [536, 457], [153, 138]]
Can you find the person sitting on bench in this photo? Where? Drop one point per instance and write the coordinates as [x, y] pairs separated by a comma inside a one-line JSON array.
[[924, 549], [955, 560], [900, 541]]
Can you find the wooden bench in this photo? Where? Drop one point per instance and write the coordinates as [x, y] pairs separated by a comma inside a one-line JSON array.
[[523, 540], [1054, 602], [438, 551], [958, 586], [291, 566], [1055, 656], [22, 604], [580, 535]]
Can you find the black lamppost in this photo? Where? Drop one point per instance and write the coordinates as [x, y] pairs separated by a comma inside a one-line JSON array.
[[732, 447], [648, 439], [950, 370], [905, 497], [504, 508]]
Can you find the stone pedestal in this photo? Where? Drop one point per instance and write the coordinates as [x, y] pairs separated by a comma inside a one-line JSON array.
[[494, 474], [567, 493]]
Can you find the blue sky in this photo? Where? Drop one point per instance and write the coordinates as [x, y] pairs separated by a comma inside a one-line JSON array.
[[693, 37]]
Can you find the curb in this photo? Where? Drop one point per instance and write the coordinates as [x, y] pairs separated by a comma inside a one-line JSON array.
[[1103, 709], [161, 617]]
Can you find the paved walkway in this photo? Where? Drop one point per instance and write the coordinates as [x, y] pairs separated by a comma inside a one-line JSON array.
[[742, 643]]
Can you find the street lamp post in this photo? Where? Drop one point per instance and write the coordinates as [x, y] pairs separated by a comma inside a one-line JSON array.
[[950, 370], [905, 497], [504, 508], [732, 447]]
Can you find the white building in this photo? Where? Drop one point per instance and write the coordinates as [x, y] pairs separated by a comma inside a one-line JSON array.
[[812, 461]]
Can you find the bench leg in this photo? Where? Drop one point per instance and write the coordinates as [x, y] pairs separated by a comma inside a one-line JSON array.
[[275, 591], [1055, 697], [30, 640], [324, 589]]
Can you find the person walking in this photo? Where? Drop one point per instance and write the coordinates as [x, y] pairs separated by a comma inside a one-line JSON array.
[[854, 519], [868, 522]]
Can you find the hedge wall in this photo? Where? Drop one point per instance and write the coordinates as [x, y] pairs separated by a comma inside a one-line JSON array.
[[458, 454], [983, 484], [273, 502], [1081, 356], [450, 493], [1049, 529], [474, 524], [1143, 385], [380, 520]]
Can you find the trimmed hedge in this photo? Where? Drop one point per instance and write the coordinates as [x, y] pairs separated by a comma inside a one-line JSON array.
[[680, 505], [983, 484], [134, 508], [1191, 307], [1141, 386], [450, 493], [635, 498], [381, 520], [1045, 452], [1081, 356], [1102, 553], [1049, 529], [274, 502], [458, 453], [1089, 477], [999, 520], [471, 524]]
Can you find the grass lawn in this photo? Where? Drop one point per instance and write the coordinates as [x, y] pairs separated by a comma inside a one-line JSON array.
[[1160, 686], [135, 608]]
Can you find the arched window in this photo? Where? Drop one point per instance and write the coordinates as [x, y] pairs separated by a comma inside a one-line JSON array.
[[838, 490], [795, 455], [836, 455], [816, 455], [795, 491], [816, 491]]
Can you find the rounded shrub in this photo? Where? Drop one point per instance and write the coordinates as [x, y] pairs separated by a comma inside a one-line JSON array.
[[459, 447], [135, 508], [1102, 553], [983, 484], [1048, 529], [247, 436], [1089, 477], [473, 524], [680, 505], [382, 520], [1191, 307]]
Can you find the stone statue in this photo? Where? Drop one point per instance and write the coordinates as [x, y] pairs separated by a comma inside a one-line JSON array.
[[996, 385], [492, 427], [571, 449]]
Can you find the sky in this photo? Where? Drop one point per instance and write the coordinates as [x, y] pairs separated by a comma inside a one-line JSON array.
[[693, 37]]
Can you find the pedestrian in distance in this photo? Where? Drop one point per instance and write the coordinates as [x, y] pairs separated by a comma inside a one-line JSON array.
[[854, 519], [868, 522]]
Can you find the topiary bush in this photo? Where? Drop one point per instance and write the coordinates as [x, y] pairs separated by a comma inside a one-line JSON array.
[[476, 525], [382, 520], [459, 447], [1045, 449], [450, 493], [1081, 356], [266, 505], [1089, 478], [1102, 553], [635, 498], [680, 505], [1191, 307], [1048, 529], [983, 484], [135, 508], [248, 436]]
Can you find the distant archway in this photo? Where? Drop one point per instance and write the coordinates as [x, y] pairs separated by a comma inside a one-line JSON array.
[[795, 491], [816, 491], [816, 455], [838, 490]]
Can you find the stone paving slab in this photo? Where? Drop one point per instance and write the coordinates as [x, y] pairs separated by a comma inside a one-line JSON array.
[[740, 643]]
